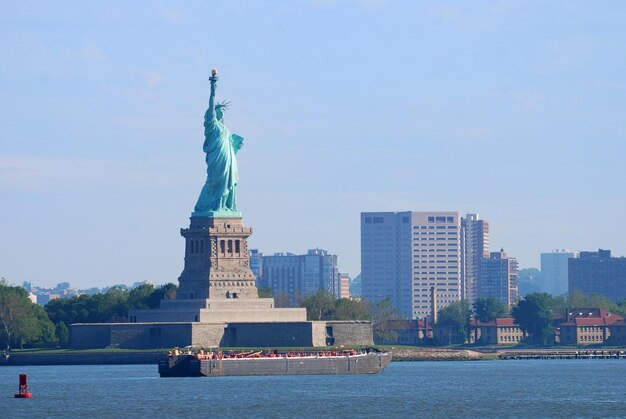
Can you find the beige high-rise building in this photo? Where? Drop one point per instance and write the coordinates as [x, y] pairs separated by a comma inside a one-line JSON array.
[[404, 254], [344, 286], [436, 260]]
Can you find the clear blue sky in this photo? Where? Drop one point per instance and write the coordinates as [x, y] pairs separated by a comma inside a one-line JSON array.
[[514, 110]]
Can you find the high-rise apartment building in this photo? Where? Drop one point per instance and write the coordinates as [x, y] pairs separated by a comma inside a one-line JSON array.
[[404, 254], [299, 275], [344, 286], [499, 274], [474, 247], [554, 266], [598, 273]]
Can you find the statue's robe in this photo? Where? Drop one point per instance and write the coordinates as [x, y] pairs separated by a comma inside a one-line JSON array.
[[220, 146]]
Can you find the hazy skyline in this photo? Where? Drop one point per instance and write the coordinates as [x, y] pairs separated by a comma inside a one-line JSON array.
[[511, 110]]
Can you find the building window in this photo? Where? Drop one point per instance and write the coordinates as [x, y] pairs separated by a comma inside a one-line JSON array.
[[237, 248], [230, 246], [222, 246]]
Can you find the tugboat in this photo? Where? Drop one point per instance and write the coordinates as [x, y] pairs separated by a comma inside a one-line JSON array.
[[199, 363]]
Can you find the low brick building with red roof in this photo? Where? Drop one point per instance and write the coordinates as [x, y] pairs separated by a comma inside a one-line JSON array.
[[586, 326], [500, 331], [405, 332]]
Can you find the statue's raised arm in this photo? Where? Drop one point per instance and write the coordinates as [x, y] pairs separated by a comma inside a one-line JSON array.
[[210, 112]]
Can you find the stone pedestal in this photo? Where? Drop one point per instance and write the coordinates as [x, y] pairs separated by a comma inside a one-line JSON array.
[[217, 285], [217, 265]]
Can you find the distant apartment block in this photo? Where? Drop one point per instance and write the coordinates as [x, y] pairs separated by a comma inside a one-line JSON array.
[[299, 275], [404, 254], [554, 267], [474, 247], [344, 286], [598, 273], [499, 274]]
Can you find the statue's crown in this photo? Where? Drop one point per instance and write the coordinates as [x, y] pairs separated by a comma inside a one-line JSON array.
[[223, 105]]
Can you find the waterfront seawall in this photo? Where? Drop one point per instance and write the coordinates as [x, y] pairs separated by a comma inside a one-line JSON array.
[[140, 357], [399, 354], [104, 358]]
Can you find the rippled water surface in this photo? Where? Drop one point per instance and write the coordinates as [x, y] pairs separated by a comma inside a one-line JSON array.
[[540, 388]]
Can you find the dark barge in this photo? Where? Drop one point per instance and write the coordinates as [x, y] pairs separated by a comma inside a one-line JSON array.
[[218, 364]]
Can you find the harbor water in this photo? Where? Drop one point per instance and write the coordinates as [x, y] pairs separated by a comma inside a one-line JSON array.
[[521, 388]]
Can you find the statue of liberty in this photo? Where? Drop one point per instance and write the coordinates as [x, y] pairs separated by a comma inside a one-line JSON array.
[[218, 196]]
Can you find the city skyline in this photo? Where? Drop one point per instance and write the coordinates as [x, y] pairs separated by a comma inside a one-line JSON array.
[[506, 110]]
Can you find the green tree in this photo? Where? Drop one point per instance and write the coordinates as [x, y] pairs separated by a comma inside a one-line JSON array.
[[347, 309], [164, 292], [43, 332], [13, 316], [459, 315], [488, 309], [21, 321], [320, 306], [534, 314], [380, 314], [138, 297], [63, 334], [576, 299]]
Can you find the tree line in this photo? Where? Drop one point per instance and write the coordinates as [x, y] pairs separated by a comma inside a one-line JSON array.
[[26, 324]]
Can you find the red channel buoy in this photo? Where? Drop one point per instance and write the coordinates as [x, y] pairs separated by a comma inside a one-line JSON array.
[[23, 392]]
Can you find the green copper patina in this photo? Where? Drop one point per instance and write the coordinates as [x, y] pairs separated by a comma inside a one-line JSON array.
[[218, 196]]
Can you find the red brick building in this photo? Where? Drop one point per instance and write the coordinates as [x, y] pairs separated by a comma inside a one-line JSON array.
[[501, 331], [586, 326]]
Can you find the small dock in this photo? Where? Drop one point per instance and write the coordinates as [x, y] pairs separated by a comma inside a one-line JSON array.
[[563, 354]]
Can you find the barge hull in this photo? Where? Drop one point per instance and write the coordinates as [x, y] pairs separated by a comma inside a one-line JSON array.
[[371, 363]]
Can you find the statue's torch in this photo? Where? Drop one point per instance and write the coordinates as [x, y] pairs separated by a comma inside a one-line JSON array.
[[213, 77]]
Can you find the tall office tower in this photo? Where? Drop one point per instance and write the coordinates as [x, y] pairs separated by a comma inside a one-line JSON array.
[[499, 278], [344, 286], [474, 247], [256, 266], [554, 271], [598, 273], [299, 275], [404, 254]]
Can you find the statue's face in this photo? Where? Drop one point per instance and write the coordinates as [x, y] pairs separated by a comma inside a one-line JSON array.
[[219, 113]]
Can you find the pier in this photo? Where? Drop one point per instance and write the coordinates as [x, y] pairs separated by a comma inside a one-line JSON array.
[[563, 354]]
